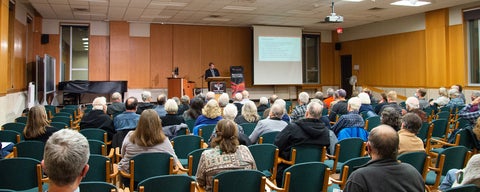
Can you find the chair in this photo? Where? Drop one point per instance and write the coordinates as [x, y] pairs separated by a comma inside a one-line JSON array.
[[10, 136], [372, 122], [461, 123], [51, 110], [59, 125], [95, 134], [63, 114], [265, 156], [304, 177], [452, 157], [18, 127], [193, 160], [31, 149], [353, 132], [420, 160], [239, 181], [463, 137], [178, 183], [66, 120], [268, 137], [248, 128], [347, 169], [344, 150], [425, 131], [99, 148], [21, 119], [443, 114], [97, 186], [72, 111], [191, 124], [464, 188], [184, 144], [206, 131], [305, 153], [440, 129], [101, 169], [146, 165], [430, 112], [21, 173]]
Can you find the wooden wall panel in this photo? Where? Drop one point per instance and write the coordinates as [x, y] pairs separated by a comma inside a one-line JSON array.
[[52, 48], [3, 49], [99, 58], [161, 55], [240, 44], [187, 52], [120, 51], [215, 47], [18, 65], [436, 36], [457, 56], [327, 64], [140, 62]]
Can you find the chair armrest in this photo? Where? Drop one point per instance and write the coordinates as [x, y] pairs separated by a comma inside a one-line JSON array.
[[114, 171], [282, 160], [125, 174], [10, 155], [111, 154], [198, 188], [273, 187], [117, 154]]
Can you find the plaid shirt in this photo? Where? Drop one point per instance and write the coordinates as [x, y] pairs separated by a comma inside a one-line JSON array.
[[470, 116], [351, 119], [299, 112]]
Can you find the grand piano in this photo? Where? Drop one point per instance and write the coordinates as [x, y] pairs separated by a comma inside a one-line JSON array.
[[74, 90]]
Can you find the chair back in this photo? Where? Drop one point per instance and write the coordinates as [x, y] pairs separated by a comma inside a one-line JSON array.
[[21, 119], [184, 144], [51, 110], [191, 124], [372, 122], [98, 168], [239, 181], [10, 136], [439, 128], [454, 158], [423, 132], [31, 149], [307, 177], [268, 137], [461, 123], [193, 160], [309, 153], [166, 183], [206, 131], [350, 148], [466, 138], [265, 156], [464, 188], [97, 147], [416, 159], [95, 134], [66, 120], [18, 127], [146, 165], [63, 114], [248, 128], [71, 111], [97, 186], [19, 173], [59, 125], [353, 164], [444, 113]]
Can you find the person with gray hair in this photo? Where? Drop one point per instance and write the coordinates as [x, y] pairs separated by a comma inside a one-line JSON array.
[[146, 104], [65, 160], [184, 104], [409, 142], [249, 113], [160, 108], [237, 101], [384, 172], [285, 117], [262, 105], [223, 100], [390, 117], [442, 99], [412, 105], [171, 118], [455, 99], [97, 118], [330, 97], [245, 96], [352, 119], [117, 105], [309, 130], [272, 123], [318, 95], [301, 108], [210, 95]]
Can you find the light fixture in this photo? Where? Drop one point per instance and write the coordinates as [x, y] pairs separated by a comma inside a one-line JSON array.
[[353, 0], [156, 16], [85, 39], [411, 3], [85, 43], [215, 19], [240, 8], [169, 3], [86, 46]]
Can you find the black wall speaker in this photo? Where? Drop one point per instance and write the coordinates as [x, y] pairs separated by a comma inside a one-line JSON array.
[[338, 46], [45, 38]]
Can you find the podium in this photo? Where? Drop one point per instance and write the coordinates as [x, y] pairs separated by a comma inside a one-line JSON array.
[[177, 87], [218, 85]]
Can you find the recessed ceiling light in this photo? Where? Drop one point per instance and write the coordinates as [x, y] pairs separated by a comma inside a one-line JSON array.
[[169, 3], [85, 39], [156, 16], [410, 3], [86, 46], [215, 19], [85, 43], [240, 8]]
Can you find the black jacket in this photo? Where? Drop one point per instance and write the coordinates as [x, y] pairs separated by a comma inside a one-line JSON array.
[[98, 119]]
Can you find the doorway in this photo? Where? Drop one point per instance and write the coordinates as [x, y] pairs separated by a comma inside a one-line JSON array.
[[346, 73]]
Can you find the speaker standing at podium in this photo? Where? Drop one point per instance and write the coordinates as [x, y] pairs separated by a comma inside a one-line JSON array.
[[211, 71]]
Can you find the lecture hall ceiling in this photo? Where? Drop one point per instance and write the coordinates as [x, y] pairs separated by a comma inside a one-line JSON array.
[[308, 14]]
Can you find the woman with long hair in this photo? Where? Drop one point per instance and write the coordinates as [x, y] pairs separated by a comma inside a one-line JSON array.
[[249, 113], [38, 128], [195, 110], [226, 154]]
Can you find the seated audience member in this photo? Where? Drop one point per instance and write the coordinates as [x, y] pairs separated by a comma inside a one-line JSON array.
[[237, 101], [195, 109], [184, 105], [324, 118], [455, 99], [211, 114], [391, 117], [65, 160], [381, 103], [38, 127], [470, 112], [223, 100], [309, 130], [97, 118], [373, 100], [384, 172], [460, 94], [262, 105], [146, 138], [366, 104], [282, 103], [408, 140], [352, 119], [412, 105], [229, 113], [271, 101], [272, 123], [442, 98], [210, 95], [146, 104], [160, 108], [340, 107], [391, 102], [225, 154], [420, 95], [299, 110], [245, 96], [171, 118], [330, 97], [127, 120], [468, 175], [318, 95], [117, 105], [249, 113]]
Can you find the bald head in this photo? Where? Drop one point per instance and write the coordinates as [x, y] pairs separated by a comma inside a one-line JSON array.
[[383, 142]]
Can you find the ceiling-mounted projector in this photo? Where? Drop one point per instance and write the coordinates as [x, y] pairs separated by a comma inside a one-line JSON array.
[[334, 18]]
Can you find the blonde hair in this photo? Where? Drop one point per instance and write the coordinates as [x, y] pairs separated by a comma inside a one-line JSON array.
[[227, 136], [249, 112], [211, 109], [230, 111], [36, 122], [149, 130]]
